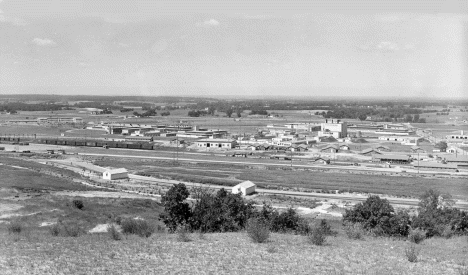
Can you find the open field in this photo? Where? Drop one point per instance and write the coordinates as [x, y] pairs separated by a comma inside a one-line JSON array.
[[315, 179], [223, 253]]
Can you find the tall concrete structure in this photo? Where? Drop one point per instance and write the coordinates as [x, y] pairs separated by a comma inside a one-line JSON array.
[[335, 128]]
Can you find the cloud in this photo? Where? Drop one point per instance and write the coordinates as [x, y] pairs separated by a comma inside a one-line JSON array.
[[44, 42], [211, 22], [387, 46]]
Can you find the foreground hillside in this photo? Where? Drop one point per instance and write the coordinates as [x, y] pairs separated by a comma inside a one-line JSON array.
[[38, 252]]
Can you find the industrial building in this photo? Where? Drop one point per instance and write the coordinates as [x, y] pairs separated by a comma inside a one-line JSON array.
[[245, 188], [333, 128], [115, 174], [216, 143]]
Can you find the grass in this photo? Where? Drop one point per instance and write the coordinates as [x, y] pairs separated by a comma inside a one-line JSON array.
[[224, 253], [313, 179]]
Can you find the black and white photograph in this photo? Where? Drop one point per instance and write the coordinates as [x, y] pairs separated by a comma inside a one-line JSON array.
[[234, 137]]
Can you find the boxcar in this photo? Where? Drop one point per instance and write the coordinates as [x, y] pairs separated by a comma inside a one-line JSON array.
[[147, 146], [70, 142], [134, 146], [51, 141], [121, 145], [61, 142], [111, 144], [91, 143], [80, 143], [100, 143]]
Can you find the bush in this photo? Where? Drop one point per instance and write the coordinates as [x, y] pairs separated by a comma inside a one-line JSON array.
[[55, 229], [138, 227], [326, 228], [15, 227], [114, 232], [417, 236], [412, 253], [378, 216], [258, 230], [78, 204], [354, 231], [72, 229], [317, 236], [183, 234]]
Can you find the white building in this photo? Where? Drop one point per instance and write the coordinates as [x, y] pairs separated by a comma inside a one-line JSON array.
[[462, 136], [246, 188], [115, 174], [216, 143], [334, 128]]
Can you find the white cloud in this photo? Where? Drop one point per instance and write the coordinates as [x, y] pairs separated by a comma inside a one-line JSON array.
[[388, 46], [44, 42], [211, 22]]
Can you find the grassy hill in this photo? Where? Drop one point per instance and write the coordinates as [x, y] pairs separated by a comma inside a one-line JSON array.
[[38, 252]]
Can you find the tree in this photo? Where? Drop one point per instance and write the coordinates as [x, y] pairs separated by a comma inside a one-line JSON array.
[[176, 211], [211, 110], [239, 112], [416, 118], [362, 117], [442, 145], [220, 212], [229, 112], [371, 213], [408, 118]]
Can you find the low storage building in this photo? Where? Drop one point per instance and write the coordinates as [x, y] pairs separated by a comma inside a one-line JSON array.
[[115, 174], [401, 159], [216, 143], [246, 188]]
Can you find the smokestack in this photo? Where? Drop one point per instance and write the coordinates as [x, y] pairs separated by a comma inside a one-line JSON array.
[[462, 132]]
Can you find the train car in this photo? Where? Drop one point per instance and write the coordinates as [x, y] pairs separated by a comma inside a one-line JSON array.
[[61, 142], [134, 146], [147, 146], [70, 142], [121, 145], [80, 143], [91, 143], [51, 141], [111, 144], [100, 143]]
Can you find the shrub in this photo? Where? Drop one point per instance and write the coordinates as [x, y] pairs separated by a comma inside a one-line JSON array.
[[258, 230], [326, 228], [417, 236], [138, 227], [114, 232], [447, 232], [317, 236], [354, 231], [72, 229], [412, 253], [219, 212], [183, 234], [15, 227], [78, 204], [55, 229]]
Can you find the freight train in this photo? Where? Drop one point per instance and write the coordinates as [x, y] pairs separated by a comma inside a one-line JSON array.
[[142, 145]]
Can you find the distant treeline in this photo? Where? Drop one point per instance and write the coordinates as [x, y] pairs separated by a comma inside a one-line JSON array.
[[18, 106]]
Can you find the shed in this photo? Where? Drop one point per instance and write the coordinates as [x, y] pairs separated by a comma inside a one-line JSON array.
[[115, 174], [246, 188]]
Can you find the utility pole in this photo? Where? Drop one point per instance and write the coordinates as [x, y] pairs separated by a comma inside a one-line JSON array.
[[418, 162]]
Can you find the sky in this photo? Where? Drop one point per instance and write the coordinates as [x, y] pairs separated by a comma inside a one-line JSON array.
[[244, 48]]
